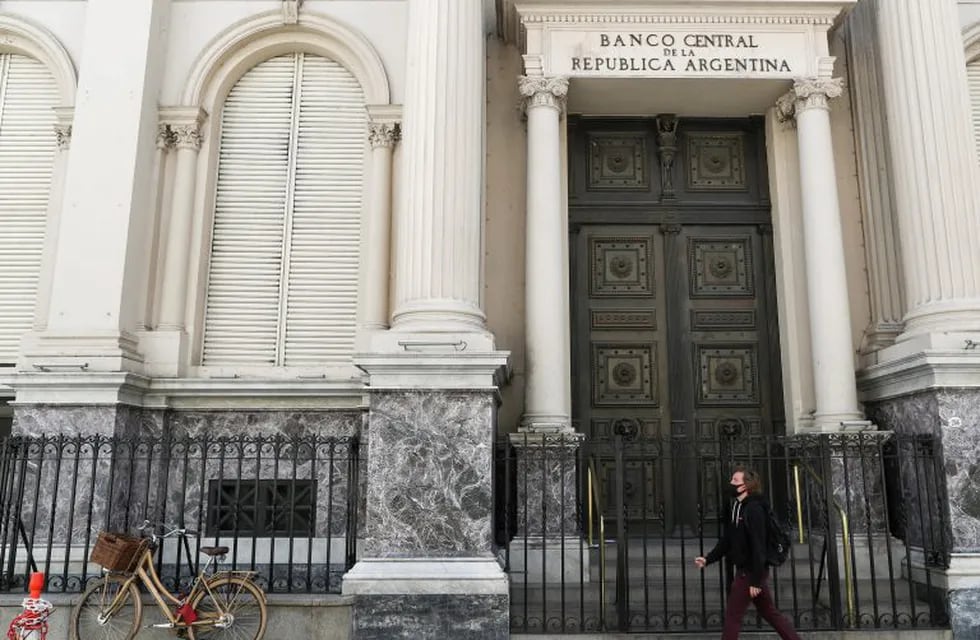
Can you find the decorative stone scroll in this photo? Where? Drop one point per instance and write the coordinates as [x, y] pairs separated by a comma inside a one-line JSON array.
[[808, 93], [539, 91], [62, 134]]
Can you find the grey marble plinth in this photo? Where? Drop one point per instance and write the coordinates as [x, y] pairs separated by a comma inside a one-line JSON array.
[[952, 418], [964, 610], [429, 474], [857, 480], [107, 420], [431, 617], [547, 503]]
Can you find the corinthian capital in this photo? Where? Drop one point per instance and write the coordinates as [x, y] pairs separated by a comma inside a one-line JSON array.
[[539, 91], [187, 136], [62, 134], [809, 93], [384, 134]]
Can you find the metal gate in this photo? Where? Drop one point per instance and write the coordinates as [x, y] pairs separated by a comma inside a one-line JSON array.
[[586, 554]]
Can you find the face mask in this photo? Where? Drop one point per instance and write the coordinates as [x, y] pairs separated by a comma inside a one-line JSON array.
[[734, 490]]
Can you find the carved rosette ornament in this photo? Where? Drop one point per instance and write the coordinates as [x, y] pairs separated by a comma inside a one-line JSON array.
[[539, 91], [384, 134], [187, 136], [808, 93], [62, 133]]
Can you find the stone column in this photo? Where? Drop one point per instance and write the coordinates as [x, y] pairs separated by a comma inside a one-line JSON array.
[[935, 164], [438, 234], [100, 266], [427, 567], [385, 130], [62, 132], [547, 400], [185, 126], [881, 245], [830, 329]]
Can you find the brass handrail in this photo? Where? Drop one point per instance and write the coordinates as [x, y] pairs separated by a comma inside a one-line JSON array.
[[593, 500], [845, 530]]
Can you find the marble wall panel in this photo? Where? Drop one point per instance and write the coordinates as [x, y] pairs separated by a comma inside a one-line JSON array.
[[546, 493], [964, 609], [952, 416], [429, 475], [431, 617]]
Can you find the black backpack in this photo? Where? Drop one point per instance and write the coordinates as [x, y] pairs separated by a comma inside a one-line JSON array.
[[777, 539]]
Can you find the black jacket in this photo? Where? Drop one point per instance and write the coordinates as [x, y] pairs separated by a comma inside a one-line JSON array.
[[744, 542]]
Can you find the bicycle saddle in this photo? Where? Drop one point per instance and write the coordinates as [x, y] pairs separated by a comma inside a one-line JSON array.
[[214, 551]]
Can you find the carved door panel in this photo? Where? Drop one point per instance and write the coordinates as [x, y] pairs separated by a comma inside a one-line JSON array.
[[619, 354], [721, 351]]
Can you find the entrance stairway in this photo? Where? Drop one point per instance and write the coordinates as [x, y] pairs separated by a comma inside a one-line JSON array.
[[666, 592]]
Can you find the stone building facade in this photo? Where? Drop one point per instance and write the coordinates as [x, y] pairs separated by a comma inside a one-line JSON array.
[[328, 216]]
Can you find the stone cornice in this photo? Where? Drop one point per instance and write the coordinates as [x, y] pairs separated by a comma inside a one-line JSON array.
[[539, 91], [516, 16]]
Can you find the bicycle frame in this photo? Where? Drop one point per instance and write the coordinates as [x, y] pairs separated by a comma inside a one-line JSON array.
[[166, 601]]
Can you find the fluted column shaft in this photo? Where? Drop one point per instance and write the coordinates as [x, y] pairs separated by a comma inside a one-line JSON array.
[[835, 388], [187, 141], [383, 136], [881, 243], [935, 163], [547, 357], [438, 233]]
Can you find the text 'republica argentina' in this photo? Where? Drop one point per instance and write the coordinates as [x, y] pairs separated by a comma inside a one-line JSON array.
[[680, 52]]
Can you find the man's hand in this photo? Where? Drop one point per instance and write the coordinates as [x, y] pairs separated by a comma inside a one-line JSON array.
[[700, 561], [754, 591]]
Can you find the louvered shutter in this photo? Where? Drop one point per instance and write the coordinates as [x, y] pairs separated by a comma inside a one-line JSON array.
[[242, 315], [285, 245], [973, 76], [321, 295], [28, 94]]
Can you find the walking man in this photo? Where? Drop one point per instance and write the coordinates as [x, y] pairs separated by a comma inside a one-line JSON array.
[[744, 543]]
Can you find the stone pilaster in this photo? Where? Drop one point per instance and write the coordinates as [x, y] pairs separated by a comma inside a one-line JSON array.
[[830, 329], [438, 256], [547, 392], [383, 134], [185, 127], [100, 266], [881, 246], [934, 164]]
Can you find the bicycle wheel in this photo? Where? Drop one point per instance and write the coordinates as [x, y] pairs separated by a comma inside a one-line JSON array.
[[236, 605], [100, 615]]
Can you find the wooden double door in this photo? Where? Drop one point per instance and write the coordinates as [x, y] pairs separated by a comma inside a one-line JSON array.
[[674, 332]]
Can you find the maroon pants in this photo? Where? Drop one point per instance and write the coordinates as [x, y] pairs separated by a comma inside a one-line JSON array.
[[738, 602]]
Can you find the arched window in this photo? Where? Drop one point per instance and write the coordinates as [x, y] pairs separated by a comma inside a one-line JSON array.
[[285, 242], [28, 95]]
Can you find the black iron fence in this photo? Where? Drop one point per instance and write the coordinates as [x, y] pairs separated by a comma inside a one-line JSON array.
[[285, 506], [602, 535]]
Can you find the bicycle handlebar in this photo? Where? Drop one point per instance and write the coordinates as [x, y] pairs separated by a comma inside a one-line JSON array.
[[168, 529]]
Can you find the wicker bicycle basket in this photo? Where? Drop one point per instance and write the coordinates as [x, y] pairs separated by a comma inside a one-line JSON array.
[[118, 551]]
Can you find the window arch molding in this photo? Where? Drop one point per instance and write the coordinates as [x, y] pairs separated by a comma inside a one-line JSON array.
[[217, 70], [21, 36], [971, 42], [231, 54]]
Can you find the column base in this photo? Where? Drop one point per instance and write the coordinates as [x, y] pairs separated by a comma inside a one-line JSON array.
[[165, 352], [541, 424], [438, 316], [942, 317], [429, 599], [59, 351]]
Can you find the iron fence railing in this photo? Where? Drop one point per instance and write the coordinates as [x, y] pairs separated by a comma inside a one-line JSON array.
[[286, 507], [868, 514]]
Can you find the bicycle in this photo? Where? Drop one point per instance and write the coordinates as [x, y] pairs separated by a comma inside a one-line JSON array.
[[220, 604]]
